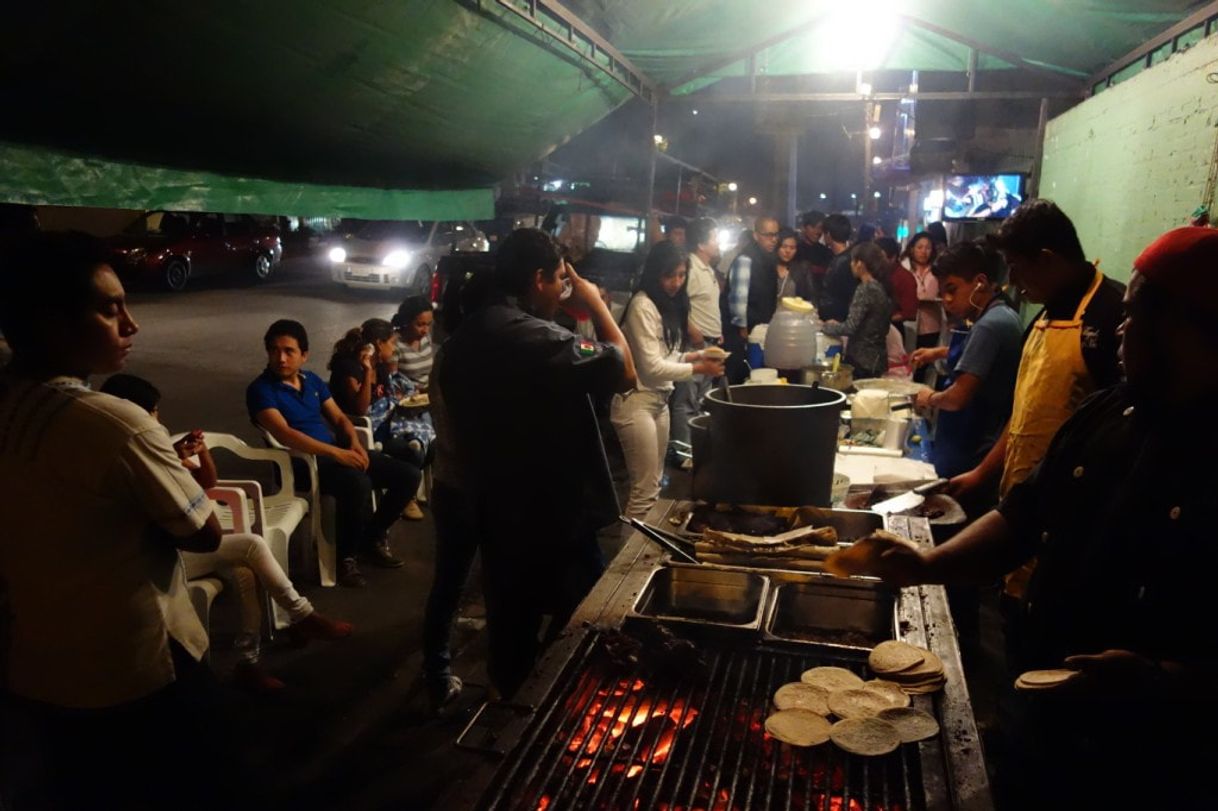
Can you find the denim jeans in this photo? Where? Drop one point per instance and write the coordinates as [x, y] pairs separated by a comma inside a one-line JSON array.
[[456, 544]]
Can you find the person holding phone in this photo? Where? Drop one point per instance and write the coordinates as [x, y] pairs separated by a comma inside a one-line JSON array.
[[246, 556], [366, 381], [518, 390], [655, 326]]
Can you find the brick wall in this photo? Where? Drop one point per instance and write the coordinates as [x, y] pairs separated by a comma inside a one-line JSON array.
[[1133, 161]]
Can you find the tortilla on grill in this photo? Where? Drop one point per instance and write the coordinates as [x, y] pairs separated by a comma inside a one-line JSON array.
[[831, 679], [894, 656], [870, 737], [859, 703], [890, 690], [861, 558], [800, 696], [798, 727], [912, 724]]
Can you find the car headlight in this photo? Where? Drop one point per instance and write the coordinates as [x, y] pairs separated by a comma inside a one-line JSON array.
[[396, 260], [338, 254]]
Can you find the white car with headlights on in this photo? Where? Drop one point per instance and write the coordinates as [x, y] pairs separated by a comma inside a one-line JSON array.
[[400, 256]]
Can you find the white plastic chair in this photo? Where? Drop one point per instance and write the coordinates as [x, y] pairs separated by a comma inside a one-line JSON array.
[[203, 592], [277, 516], [320, 508]]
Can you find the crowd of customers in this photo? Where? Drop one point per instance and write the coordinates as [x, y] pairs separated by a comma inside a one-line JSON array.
[[113, 643]]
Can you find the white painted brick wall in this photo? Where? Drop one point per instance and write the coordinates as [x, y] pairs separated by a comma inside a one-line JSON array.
[[1133, 161]]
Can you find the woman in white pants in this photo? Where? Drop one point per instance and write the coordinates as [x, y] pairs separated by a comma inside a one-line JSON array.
[[655, 326]]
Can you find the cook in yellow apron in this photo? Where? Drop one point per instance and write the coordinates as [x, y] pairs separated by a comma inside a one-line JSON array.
[[1053, 380]]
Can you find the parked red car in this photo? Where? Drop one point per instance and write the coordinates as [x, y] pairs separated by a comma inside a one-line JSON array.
[[169, 248]]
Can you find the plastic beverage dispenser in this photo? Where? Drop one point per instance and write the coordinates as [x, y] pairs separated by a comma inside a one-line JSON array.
[[790, 341]]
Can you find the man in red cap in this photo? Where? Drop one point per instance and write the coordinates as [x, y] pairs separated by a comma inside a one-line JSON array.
[[1119, 514]]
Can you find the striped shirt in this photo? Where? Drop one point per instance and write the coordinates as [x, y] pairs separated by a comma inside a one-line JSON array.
[[416, 363], [738, 278], [94, 597]]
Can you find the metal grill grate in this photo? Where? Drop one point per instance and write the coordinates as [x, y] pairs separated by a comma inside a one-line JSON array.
[[618, 738]]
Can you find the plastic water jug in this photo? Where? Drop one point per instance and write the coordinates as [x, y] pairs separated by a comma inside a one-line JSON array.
[[790, 342]]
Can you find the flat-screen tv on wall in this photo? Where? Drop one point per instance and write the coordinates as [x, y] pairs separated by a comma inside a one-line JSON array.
[[982, 197]]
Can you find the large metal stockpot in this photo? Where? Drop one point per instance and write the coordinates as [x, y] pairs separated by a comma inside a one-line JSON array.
[[770, 445]]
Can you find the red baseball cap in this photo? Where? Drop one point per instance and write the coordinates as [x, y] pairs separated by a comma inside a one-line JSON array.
[[1184, 261]]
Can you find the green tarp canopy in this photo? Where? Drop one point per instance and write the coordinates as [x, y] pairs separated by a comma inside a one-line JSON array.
[[415, 108]]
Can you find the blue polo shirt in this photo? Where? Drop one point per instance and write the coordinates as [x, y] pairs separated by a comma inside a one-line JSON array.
[[301, 409]]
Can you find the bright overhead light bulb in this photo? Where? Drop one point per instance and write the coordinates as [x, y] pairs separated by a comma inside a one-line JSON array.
[[877, 160], [659, 139], [824, 196], [874, 133], [695, 111], [732, 186], [860, 35], [877, 195], [752, 201]]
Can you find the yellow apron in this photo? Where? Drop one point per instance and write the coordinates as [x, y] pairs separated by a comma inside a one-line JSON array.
[[1053, 380]]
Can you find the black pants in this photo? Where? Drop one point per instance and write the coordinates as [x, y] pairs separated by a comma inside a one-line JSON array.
[[736, 367], [527, 575], [456, 544], [927, 341], [169, 749], [357, 527]]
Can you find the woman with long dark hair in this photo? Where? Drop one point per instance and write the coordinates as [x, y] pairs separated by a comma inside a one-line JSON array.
[[918, 259], [870, 312], [365, 382], [794, 274], [655, 325]]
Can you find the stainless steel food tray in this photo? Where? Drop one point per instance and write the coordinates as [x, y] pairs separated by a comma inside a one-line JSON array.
[[854, 613], [705, 596]]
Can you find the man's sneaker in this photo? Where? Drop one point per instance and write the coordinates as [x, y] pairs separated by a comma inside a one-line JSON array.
[[379, 555], [349, 574], [444, 690], [413, 511]]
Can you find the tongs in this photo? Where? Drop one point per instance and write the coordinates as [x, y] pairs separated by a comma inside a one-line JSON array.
[[672, 544]]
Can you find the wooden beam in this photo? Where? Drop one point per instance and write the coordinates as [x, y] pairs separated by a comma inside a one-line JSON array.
[[1142, 51], [619, 67], [750, 51], [954, 95], [1006, 56]]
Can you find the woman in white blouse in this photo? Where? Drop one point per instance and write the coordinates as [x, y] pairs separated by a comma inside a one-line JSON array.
[[655, 325]]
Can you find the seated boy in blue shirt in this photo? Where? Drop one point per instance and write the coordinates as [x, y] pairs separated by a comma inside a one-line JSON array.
[[295, 407]]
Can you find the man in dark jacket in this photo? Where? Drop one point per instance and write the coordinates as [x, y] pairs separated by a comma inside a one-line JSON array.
[[839, 281], [517, 388], [751, 293]]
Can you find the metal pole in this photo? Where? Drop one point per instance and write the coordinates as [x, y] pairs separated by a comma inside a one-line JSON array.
[[1041, 126], [866, 201], [972, 69], [676, 207], [792, 177], [651, 171]]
